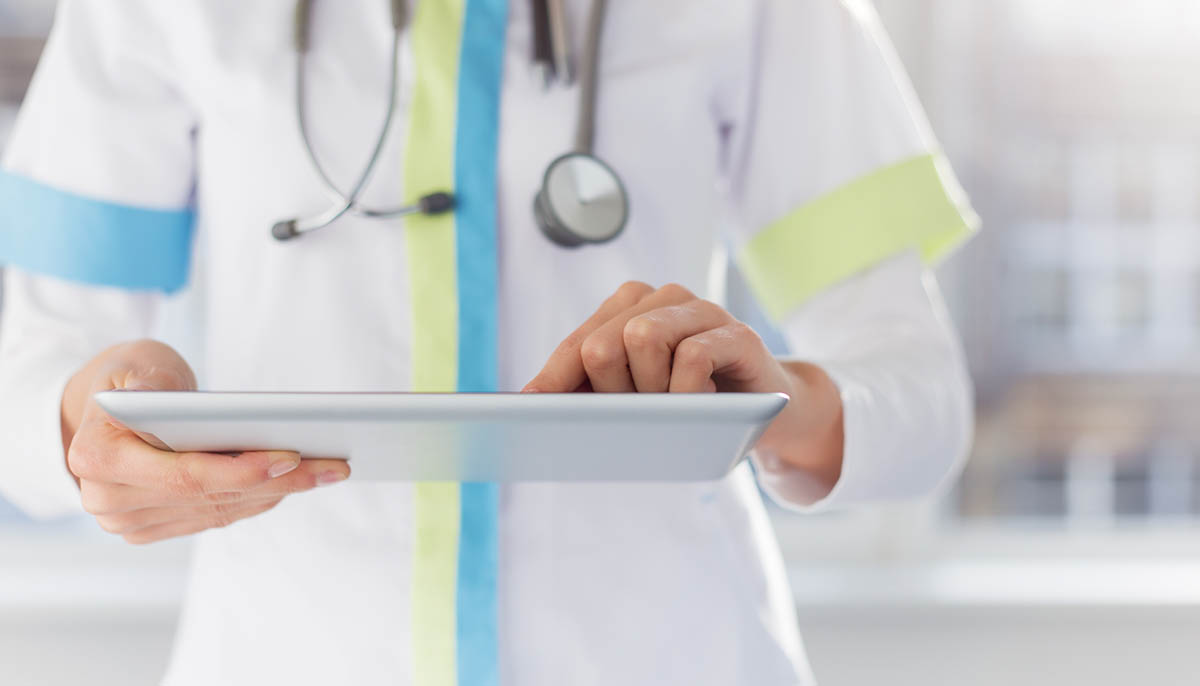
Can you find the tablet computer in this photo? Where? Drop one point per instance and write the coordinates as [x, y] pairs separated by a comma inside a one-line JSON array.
[[504, 437]]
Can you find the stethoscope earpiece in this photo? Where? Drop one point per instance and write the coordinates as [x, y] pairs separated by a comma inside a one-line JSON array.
[[284, 230], [432, 204], [436, 203]]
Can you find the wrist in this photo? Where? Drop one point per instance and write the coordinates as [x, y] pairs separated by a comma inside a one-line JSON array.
[[809, 433]]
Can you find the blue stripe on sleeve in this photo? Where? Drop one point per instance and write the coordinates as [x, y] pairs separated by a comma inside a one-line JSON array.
[[476, 144], [72, 237]]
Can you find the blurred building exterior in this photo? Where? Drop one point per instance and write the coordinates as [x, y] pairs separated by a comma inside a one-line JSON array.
[[1076, 128], [23, 24]]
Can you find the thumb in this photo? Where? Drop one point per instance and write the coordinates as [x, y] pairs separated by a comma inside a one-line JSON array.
[[144, 366], [137, 365], [155, 379], [171, 378], [143, 378]]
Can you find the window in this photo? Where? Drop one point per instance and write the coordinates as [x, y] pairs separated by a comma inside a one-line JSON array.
[[23, 25], [1088, 370]]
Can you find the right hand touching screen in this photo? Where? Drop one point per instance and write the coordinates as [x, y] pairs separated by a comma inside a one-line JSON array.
[[145, 494]]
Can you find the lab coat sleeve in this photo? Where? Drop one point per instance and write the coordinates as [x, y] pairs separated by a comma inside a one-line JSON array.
[[97, 180], [49, 328], [885, 339], [840, 200], [95, 224]]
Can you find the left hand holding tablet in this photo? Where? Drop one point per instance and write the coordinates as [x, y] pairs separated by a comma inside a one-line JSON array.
[[143, 492]]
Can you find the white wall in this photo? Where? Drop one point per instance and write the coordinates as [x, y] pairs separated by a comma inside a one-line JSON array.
[[1006, 646], [55, 648], [848, 647]]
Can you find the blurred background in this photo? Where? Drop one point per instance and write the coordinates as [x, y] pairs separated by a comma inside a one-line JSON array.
[[1069, 552]]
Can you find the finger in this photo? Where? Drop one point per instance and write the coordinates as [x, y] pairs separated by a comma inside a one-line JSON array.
[[129, 522], [564, 370], [101, 451], [145, 365], [603, 353], [153, 378], [108, 498], [698, 358], [161, 532], [650, 339], [605, 362]]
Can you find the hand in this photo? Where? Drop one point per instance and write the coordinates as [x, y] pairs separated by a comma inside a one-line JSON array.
[[668, 340], [145, 494], [658, 341]]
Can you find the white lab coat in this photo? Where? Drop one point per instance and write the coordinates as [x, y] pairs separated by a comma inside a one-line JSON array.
[[720, 117]]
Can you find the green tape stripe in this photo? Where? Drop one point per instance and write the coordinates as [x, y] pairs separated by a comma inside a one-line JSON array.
[[429, 166], [915, 204], [430, 245], [434, 584]]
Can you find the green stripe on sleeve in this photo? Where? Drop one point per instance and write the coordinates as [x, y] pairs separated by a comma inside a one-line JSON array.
[[915, 204]]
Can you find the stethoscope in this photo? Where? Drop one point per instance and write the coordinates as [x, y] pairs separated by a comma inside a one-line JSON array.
[[581, 199]]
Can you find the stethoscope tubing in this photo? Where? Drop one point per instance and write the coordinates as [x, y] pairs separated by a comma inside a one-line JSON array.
[[348, 202], [585, 131], [550, 44]]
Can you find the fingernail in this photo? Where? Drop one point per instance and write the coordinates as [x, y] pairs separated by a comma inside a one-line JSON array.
[[278, 469], [530, 389], [331, 477]]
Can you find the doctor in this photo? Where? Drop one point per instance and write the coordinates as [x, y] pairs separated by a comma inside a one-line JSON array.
[[218, 177]]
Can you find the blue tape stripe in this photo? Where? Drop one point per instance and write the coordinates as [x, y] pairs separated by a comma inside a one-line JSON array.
[[480, 69], [48, 231], [475, 185], [476, 607]]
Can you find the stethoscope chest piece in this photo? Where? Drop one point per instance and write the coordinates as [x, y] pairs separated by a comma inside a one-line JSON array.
[[581, 201]]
